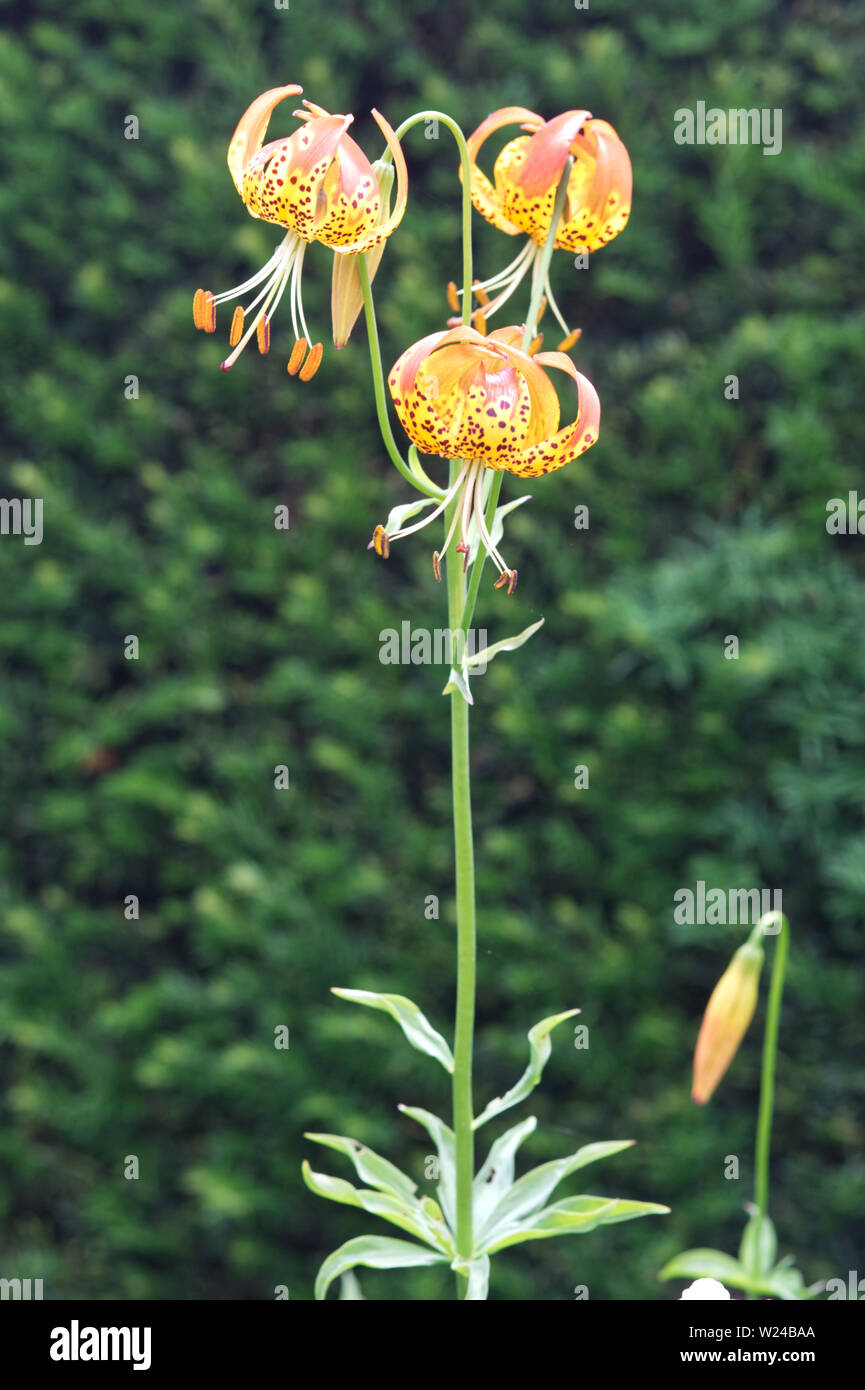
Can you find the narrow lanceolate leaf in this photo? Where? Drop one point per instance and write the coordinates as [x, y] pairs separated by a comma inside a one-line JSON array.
[[376, 1252], [398, 516], [408, 1215], [413, 1023], [507, 644], [350, 1290], [370, 1167], [458, 683], [539, 1052], [574, 1216], [759, 1245], [443, 1138], [497, 1174], [529, 1193], [706, 1264]]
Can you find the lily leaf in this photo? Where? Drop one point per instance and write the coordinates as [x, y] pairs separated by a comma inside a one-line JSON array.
[[708, 1264], [443, 1138], [369, 1166], [458, 683], [376, 1252], [759, 1244], [507, 644], [497, 1174], [540, 1048], [529, 1192], [413, 1023], [350, 1290], [573, 1216], [409, 1216], [398, 516]]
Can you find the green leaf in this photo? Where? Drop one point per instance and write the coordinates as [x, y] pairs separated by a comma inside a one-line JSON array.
[[530, 1191], [370, 1167], [574, 1216], [413, 1023], [458, 683], [759, 1244], [349, 1289], [507, 644], [399, 515], [539, 1052], [408, 1215], [497, 1174], [443, 1138], [376, 1252], [707, 1264]]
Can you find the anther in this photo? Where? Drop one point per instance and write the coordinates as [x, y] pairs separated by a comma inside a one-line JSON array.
[[536, 344], [480, 323], [567, 343], [380, 543], [542, 308], [262, 334], [236, 331], [310, 366], [437, 566], [480, 293], [295, 361], [204, 311], [453, 297]]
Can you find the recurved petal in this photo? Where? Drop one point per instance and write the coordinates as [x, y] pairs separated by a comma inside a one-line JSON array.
[[599, 190], [283, 181], [568, 443], [352, 200], [248, 138], [486, 197], [403, 374], [548, 150], [381, 232]]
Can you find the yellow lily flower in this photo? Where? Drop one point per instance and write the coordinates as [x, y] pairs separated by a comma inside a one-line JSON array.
[[319, 185], [527, 174], [484, 401]]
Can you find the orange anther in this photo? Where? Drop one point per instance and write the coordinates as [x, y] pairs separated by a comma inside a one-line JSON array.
[[453, 297], [310, 366], [262, 334], [437, 566], [536, 344], [236, 331], [204, 311], [295, 361], [480, 323], [542, 309], [380, 543], [567, 343], [480, 293]]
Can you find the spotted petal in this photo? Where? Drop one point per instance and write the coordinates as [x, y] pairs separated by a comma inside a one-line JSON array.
[[248, 138]]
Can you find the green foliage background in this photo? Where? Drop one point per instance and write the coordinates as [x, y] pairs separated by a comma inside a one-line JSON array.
[[155, 777]]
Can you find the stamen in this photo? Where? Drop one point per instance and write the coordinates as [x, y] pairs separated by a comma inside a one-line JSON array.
[[567, 343], [480, 323], [310, 366], [453, 297], [446, 500], [236, 332], [204, 311], [437, 566], [536, 344], [480, 293], [555, 308], [526, 253], [262, 334], [380, 542], [295, 361]]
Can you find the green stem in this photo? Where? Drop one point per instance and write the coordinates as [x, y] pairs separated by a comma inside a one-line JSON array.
[[767, 1079], [379, 387]]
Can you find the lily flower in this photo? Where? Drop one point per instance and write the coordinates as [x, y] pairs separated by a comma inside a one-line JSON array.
[[319, 185], [484, 401], [527, 173], [725, 1022]]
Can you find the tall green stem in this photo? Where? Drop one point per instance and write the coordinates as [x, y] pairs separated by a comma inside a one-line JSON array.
[[767, 1078]]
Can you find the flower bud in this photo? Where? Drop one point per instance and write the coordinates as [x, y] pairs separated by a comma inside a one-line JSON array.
[[726, 1019]]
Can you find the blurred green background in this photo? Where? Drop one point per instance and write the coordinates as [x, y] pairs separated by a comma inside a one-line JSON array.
[[155, 1037]]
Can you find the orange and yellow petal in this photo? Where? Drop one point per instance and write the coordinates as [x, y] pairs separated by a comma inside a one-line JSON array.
[[248, 138], [352, 201], [283, 181], [568, 443], [599, 191], [383, 230], [486, 197]]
